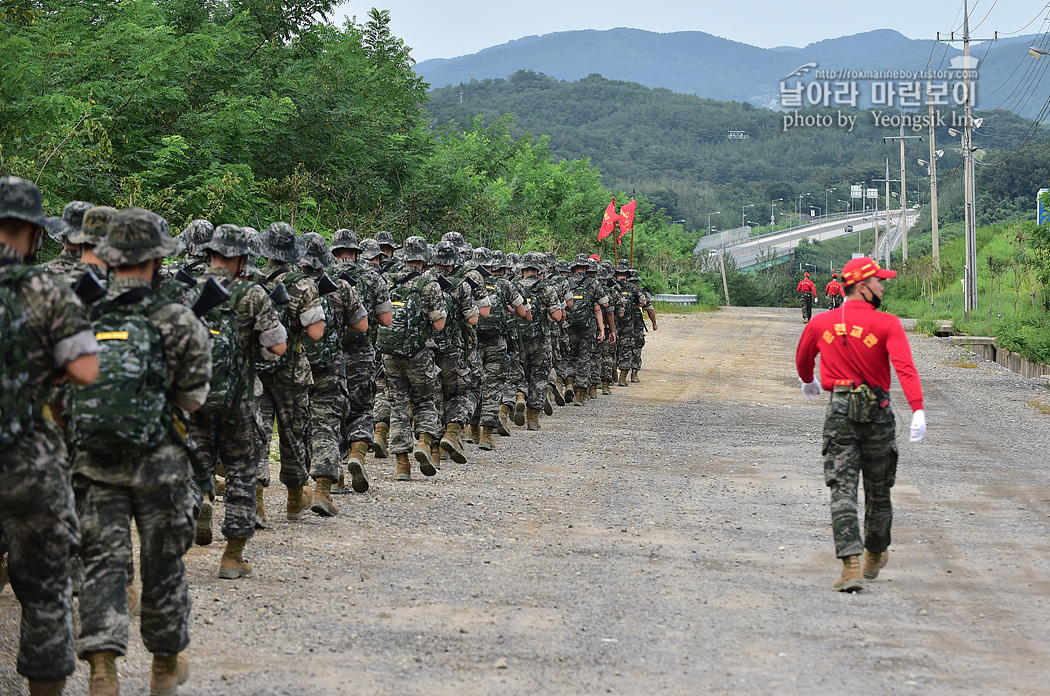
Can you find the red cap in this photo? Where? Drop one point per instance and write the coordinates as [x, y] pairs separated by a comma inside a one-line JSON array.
[[864, 267], [806, 274], [834, 275], [596, 257]]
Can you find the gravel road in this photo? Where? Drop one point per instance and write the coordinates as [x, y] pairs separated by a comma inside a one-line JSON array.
[[671, 538]]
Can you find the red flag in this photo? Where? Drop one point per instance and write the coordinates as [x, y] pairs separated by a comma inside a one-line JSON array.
[[626, 219], [610, 220]]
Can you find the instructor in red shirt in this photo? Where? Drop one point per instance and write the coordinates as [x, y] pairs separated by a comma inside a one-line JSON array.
[[833, 291], [856, 344], [809, 296]]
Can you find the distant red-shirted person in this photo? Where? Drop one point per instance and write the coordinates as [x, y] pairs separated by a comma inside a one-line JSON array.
[[833, 292], [809, 296], [856, 344]]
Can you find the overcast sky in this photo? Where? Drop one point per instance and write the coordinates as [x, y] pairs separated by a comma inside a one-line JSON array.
[[450, 28]]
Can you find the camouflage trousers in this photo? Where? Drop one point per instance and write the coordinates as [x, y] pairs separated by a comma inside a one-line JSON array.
[[230, 436], [535, 354], [851, 450], [515, 373], [290, 403], [165, 517], [582, 347], [637, 343], [327, 415], [493, 360], [360, 395], [807, 306], [555, 337], [39, 521], [381, 407], [415, 399], [608, 359], [455, 391]]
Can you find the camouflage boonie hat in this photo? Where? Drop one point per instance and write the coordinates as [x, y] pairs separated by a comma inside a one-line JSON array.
[[62, 228], [280, 243], [467, 249], [483, 256], [384, 238], [623, 267], [455, 237], [634, 275], [230, 241], [196, 235], [370, 249], [416, 249], [562, 266], [21, 199], [316, 254], [446, 254], [580, 260], [533, 260], [252, 236], [136, 235], [345, 239], [499, 259], [550, 259], [93, 226]]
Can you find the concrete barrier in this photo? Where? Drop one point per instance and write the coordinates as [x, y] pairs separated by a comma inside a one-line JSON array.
[[985, 347], [675, 299]]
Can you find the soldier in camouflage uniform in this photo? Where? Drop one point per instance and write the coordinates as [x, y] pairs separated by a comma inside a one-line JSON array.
[[92, 231], [375, 258], [153, 487], [67, 264], [545, 306], [625, 345], [608, 348], [46, 337], [224, 429], [491, 413], [391, 263], [413, 380], [585, 333], [344, 315], [449, 346], [193, 238], [360, 355], [512, 405], [286, 381], [638, 340], [560, 335]]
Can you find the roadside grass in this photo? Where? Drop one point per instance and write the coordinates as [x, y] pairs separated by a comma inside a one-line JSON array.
[[672, 308], [1040, 406], [961, 362]]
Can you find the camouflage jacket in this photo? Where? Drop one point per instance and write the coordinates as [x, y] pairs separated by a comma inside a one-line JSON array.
[[187, 354], [343, 307], [68, 266], [586, 295], [304, 309], [257, 320], [544, 300]]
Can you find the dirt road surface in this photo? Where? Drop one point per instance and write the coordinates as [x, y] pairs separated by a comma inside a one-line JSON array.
[[671, 538]]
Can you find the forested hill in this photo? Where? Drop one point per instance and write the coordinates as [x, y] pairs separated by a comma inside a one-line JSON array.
[[674, 148], [694, 62]]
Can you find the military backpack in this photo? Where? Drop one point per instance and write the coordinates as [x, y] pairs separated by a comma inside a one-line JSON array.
[[323, 352], [17, 408], [295, 329], [228, 361], [127, 407], [406, 335], [494, 325], [581, 316]]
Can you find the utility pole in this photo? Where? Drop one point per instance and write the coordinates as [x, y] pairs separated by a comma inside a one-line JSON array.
[[969, 213], [904, 195], [886, 237]]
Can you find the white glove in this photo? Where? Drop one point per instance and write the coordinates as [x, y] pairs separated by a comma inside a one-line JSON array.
[[810, 390], [918, 425]]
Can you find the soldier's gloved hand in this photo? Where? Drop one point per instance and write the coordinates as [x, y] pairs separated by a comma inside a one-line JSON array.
[[918, 425], [810, 390]]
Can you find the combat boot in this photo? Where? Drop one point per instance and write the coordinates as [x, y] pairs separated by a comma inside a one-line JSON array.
[[355, 466], [260, 509], [548, 402], [519, 410], [421, 452], [450, 443], [46, 688], [299, 499], [533, 419], [503, 427], [622, 380], [570, 392], [605, 388], [232, 565], [873, 563], [435, 453], [322, 503], [169, 671], [103, 679], [204, 522], [472, 434], [592, 391], [851, 576], [559, 392], [339, 487], [485, 440], [578, 397], [403, 472], [379, 440], [634, 376]]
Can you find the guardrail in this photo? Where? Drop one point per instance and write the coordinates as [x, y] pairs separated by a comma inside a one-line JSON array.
[[675, 299]]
